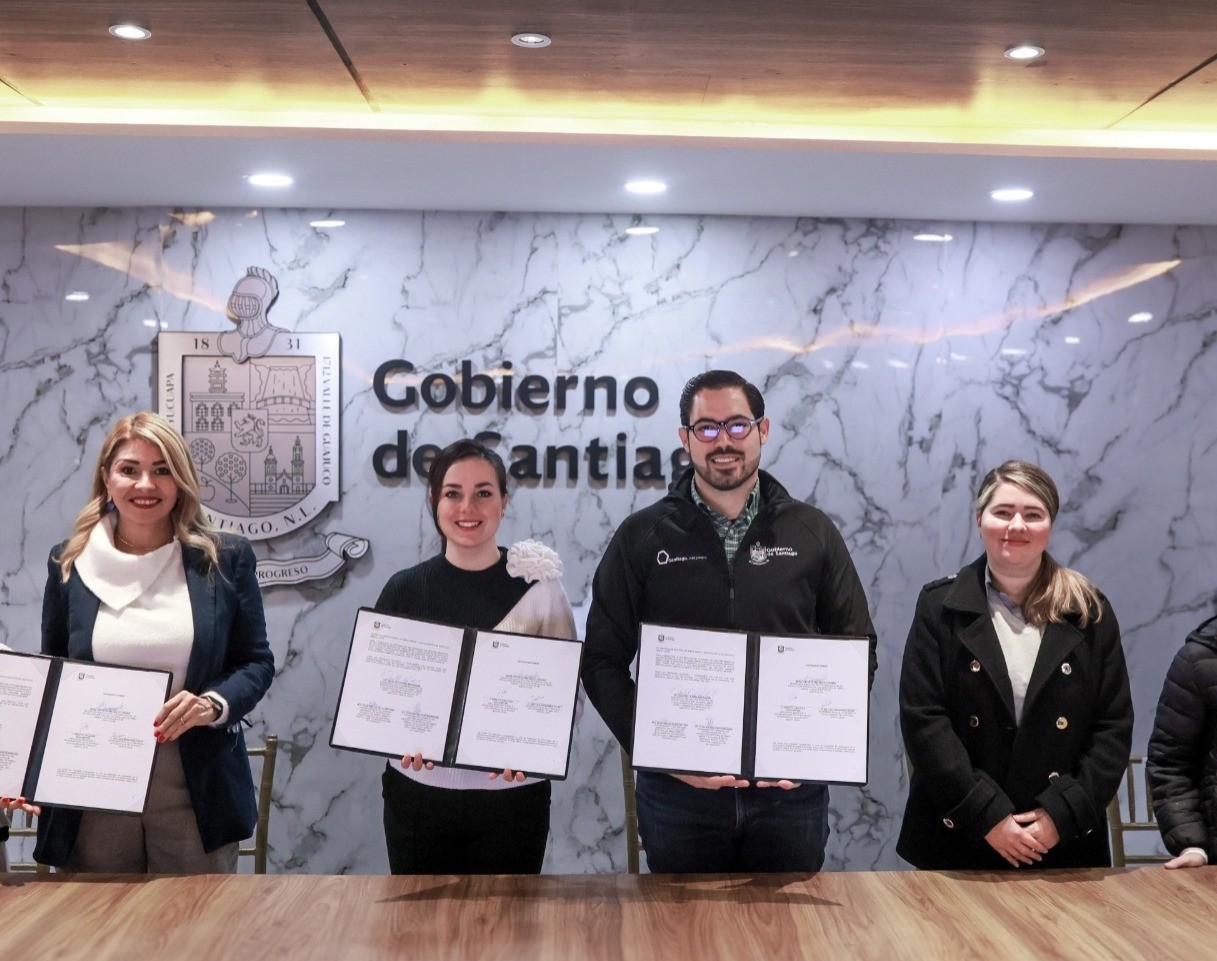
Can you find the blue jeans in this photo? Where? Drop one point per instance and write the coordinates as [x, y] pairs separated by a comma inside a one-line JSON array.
[[691, 830]]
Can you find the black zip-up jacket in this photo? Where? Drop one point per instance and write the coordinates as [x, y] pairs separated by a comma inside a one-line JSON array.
[[1182, 762], [666, 565]]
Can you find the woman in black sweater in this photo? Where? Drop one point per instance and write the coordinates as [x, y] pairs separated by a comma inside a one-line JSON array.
[[442, 820]]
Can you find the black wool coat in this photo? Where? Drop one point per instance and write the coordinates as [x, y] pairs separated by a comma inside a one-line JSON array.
[[972, 765], [1182, 762]]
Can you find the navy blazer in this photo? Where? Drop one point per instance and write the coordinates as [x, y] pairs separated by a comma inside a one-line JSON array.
[[230, 656]]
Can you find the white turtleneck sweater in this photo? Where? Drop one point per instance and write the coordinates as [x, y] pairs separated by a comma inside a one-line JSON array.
[[145, 619]]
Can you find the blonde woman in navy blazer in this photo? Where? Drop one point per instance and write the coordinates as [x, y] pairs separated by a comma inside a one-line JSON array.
[[197, 612]]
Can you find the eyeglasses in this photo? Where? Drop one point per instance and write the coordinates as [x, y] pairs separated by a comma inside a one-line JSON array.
[[737, 428]]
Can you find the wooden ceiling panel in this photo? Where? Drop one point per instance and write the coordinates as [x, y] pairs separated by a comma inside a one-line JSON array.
[[900, 62], [11, 98], [1189, 105], [813, 63], [257, 55]]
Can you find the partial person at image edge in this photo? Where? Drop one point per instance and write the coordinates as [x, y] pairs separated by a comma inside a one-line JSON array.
[[1182, 760]]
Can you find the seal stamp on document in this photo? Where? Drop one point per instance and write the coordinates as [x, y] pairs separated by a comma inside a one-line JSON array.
[[259, 409]]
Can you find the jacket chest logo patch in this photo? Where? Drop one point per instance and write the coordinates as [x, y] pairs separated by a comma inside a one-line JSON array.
[[663, 557], [758, 554]]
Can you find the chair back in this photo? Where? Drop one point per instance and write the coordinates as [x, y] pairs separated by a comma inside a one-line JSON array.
[[23, 830], [257, 849], [1139, 818], [633, 843]]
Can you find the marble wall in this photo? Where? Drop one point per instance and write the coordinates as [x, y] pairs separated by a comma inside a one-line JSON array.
[[896, 372]]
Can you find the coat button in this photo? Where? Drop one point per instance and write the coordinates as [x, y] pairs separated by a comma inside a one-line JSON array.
[[948, 823], [1062, 723], [974, 666], [1066, 669], [973, 721]]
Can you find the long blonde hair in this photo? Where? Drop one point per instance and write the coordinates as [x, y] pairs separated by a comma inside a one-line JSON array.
[[190, 525], [1056, 591]]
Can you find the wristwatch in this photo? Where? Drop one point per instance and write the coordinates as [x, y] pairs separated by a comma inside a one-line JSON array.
[[216, 703]]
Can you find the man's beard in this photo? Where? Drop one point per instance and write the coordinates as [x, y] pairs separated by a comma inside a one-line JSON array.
[[727, 481]]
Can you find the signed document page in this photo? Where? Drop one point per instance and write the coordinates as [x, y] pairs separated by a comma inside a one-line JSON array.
[[689, 711], [23, 681], [812, 706], [397, 693], [520, 704], [100, 743]]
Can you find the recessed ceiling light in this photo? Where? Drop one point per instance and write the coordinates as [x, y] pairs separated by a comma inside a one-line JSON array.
[[646, 186], [327, 223], [1013, 351], [1024, 51], [270, 180], [898, 364], [151, 323], [129, 31], [860, 365], [1140, 317], [934, 238], [792, 253], [641, 230], [955, 356], [531, 40], [1010, 195], [77, 296], [1073, 340]]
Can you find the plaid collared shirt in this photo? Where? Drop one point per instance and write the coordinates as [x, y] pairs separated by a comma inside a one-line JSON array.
[[732, 531]]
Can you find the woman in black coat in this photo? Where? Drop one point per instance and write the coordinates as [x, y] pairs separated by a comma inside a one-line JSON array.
[[1014, 699], [1182, 761]]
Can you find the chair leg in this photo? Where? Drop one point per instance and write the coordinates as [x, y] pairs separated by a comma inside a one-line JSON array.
[[632, 843]]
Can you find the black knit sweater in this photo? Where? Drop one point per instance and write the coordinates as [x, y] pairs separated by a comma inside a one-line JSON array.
[[436, 590]]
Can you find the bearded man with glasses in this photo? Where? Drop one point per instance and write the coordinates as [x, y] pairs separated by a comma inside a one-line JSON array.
[[727, 548]]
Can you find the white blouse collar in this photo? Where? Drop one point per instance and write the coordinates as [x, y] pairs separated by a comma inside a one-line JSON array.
[[116, 578]]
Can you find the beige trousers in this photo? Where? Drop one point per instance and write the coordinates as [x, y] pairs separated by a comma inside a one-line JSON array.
[[163, 840]]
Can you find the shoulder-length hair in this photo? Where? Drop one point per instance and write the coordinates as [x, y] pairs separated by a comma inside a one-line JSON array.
[[464, 449], [1056, 592], [190, 525]]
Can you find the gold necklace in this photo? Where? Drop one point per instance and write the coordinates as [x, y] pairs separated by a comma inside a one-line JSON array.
[[128, 548]]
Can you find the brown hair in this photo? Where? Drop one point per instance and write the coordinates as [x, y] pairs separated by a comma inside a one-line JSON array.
[[465, 449], [190, 525], [1056, 591], [719, 380]]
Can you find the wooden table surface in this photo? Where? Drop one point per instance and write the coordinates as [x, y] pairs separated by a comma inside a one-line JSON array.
[[1076, 915]]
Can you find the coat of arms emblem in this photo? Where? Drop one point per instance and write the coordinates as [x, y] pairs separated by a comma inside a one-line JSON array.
[[258, 407]]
